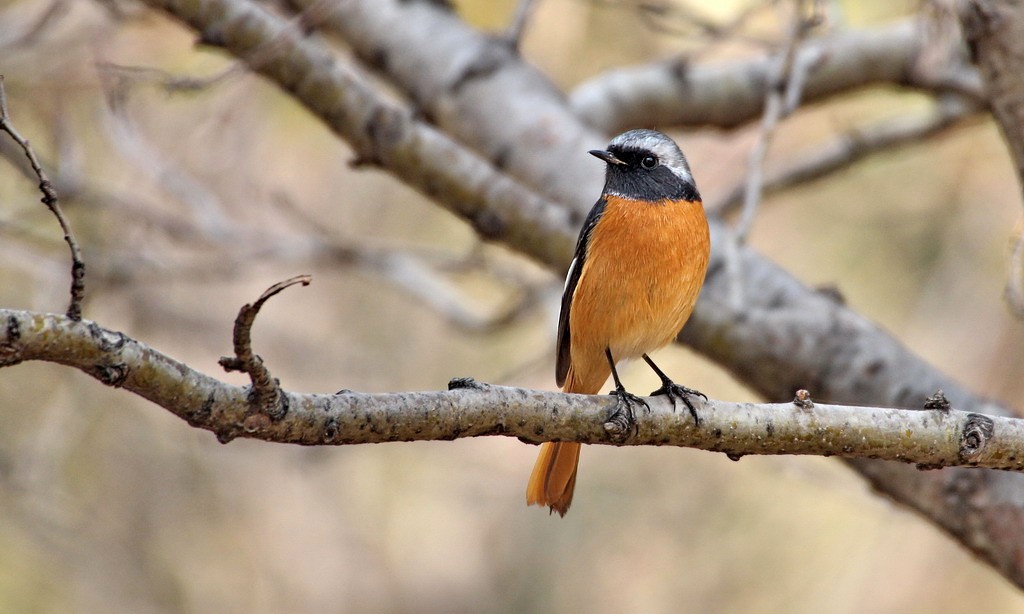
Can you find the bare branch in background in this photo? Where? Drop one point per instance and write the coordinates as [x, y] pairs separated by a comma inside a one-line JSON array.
[[1014, 292], [125, 77], [514, 34], [678, 92], [855, 145], [50, 16], [422, 275], [784, 93], [785, 87], [49, 199], [136, 150], [682, 20], [995, 36], [500, 208]]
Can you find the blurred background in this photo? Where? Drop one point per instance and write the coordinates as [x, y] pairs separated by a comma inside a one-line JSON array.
[[189, 202]]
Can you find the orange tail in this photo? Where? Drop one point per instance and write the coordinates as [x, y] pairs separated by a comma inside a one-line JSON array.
[[554, 476]]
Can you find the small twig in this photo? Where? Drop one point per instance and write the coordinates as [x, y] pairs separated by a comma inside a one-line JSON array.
[[50, 200], [782, 98], [266, 391], [514, 34]]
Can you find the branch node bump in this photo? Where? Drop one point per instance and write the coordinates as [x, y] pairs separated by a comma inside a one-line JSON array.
[[255, 423], [803, 399], [112, 375], [459, 383], [330, 430], [202, 415], [10, 351], [619, 427], [938, 401], [977, 431], [108, 340]]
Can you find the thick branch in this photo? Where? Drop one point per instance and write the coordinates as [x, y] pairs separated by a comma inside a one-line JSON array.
[[995, 35], [476, 88], [728, 94], [381, 132], [932, 438]]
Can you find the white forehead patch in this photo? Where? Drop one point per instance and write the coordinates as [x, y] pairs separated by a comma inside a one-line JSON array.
[[660, 145]]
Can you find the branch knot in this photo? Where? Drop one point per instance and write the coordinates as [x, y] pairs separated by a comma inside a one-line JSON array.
[[977, 431], [10, 350]]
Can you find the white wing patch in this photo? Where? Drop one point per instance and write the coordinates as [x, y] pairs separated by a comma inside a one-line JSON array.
[[568, 276]]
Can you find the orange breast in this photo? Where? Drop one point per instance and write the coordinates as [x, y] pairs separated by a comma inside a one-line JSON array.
[[643, 271]]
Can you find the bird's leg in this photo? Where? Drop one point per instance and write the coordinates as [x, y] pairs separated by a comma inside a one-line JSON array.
[[623, 414], [674, 390]]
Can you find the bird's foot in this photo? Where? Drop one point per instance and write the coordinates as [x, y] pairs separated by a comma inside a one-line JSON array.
[[677, 391], [622, 421]]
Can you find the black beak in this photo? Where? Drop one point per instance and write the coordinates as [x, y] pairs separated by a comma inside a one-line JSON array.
[[607, 156]]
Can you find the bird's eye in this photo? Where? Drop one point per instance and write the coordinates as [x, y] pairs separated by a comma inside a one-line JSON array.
[[649, 162]]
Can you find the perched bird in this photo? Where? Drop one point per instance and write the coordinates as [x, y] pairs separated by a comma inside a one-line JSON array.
[[638, 267]]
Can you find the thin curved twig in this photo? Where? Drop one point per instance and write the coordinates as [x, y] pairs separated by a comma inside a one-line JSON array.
[[52, 203], [267, 395]]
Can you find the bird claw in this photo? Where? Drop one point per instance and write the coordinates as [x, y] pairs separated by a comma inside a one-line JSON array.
[[677, 391], [622, 421]]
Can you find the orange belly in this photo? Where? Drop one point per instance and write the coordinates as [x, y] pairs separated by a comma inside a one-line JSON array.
[[643, 272]]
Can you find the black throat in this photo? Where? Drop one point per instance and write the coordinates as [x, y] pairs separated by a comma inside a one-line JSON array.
[[632, 180]]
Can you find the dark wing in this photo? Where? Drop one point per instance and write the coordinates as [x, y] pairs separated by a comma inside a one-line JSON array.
[[571, 279]]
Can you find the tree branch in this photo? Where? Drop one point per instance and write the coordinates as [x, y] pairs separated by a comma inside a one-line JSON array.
[[728, 94], [995, 36], [381, 132], [927, 438], [465, 83]]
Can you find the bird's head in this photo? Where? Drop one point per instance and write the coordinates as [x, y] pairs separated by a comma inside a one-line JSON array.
[[647, 165]]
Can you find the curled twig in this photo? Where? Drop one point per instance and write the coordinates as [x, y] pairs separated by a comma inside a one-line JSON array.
[[50, 200], [267, 397]]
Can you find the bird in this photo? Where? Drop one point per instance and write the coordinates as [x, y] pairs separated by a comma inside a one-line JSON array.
[[634, 279]]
